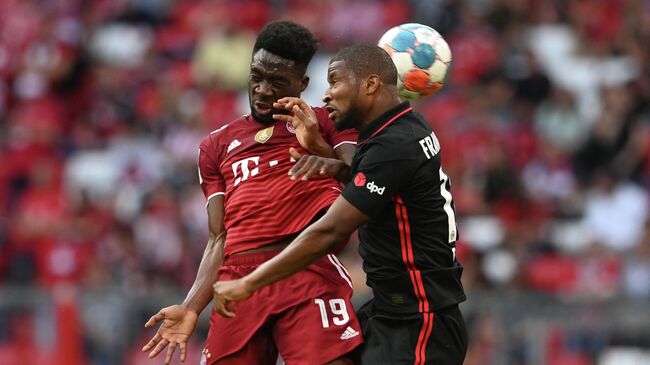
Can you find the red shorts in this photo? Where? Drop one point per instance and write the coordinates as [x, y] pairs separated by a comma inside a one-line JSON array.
[[307, 317]]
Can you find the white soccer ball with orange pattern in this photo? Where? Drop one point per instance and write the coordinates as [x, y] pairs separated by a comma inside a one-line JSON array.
[[422, 58]]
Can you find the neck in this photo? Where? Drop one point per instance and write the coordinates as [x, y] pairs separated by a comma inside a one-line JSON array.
[[382, 103]]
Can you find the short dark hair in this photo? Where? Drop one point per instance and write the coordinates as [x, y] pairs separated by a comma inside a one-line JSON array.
[[367, 59], [287, 40]]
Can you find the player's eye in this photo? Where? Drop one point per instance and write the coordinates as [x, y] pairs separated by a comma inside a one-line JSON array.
[[279, 84]]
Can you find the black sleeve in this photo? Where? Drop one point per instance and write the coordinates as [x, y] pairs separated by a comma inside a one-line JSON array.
[[380, 176]]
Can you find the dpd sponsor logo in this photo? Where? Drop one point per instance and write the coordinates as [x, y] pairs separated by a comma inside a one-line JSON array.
[[375, 188]]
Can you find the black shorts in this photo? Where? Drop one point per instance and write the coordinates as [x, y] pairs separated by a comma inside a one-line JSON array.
[[438, 338]]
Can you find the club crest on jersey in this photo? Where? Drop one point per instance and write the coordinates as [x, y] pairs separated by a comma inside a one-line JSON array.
[[290, 128], [264, 135]]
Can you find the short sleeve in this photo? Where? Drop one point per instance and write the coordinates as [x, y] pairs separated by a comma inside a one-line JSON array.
[[210, 178], [380, 176], [334, 137]]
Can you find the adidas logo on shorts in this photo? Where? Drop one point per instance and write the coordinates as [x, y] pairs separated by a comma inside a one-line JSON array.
[[349, 333]]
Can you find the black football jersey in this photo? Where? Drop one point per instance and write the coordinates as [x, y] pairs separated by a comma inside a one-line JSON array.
[[408, 245]]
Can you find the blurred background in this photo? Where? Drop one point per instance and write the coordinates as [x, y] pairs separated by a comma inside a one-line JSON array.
[[544, 126]]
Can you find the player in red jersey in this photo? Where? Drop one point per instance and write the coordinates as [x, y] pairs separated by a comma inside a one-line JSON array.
[[255, 210]]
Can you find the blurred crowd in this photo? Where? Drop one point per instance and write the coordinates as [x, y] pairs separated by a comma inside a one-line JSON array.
[[544, 126]]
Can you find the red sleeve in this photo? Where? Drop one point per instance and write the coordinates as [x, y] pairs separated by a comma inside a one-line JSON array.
[[210, 177], [333, 137]]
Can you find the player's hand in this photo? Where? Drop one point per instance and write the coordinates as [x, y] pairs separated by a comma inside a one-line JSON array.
[[308, 165], [304, 121], [227, 292], [177, 326]]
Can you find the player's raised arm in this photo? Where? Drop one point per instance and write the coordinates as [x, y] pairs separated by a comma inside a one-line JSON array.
[[179, 321], [325, 159], [304, 121]]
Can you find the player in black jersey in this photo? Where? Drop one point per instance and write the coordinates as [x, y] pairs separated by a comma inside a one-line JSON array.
[[399, 199]]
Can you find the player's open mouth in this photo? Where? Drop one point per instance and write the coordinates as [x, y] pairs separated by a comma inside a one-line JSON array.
[[331, 110], [262, 108]]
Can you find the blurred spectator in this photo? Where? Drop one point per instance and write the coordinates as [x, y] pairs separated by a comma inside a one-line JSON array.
[[222, 57], [549, 179], [618, 140], [557, 122], [532, 86], [157, 233], [615, 211], [637, 268]]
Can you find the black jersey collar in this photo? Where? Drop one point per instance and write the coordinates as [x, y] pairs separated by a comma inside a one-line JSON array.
[[383, 121]]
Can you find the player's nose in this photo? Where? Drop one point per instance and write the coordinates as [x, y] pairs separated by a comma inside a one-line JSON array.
[[264, 88]]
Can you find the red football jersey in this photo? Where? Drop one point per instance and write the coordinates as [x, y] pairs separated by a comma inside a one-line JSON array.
[[248, 163]]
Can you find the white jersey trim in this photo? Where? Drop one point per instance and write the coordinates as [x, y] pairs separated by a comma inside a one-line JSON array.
[[212, 196], [340, 268], [451, 218], [219, 129], [344, 142]]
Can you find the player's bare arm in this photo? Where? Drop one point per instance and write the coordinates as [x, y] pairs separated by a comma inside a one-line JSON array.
[[314, 242], [201, 292], [179, 321], [345, 152]]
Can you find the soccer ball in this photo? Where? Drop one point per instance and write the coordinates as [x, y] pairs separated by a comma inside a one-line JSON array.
[[422, 58]]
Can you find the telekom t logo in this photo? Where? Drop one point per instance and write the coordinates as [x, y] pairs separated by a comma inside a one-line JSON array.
[[246, 171]]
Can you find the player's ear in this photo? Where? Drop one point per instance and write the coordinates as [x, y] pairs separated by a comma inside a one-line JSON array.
[[304, 82], [371, 83]]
